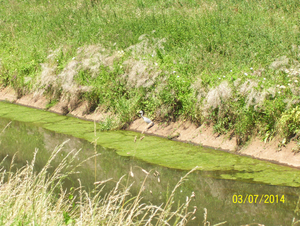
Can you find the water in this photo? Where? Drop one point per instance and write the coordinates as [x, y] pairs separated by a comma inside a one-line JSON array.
[[211, 192]]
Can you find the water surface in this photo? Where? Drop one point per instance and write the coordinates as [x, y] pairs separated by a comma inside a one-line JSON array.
[[211, 191]]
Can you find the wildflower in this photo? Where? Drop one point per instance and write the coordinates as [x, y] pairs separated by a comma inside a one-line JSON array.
[[155, 64], [174, 72], [177, 76], [223, 76], [264, 78], [251, 68], [296, 80], [152, 55], [219, 78], [246, 74], [279, 92], [230, 70], [73, 58]]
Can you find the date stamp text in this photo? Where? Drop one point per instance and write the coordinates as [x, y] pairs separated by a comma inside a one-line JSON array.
[[258, 198]]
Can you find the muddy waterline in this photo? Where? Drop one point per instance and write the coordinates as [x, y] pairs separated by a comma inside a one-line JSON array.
[[158, 150]]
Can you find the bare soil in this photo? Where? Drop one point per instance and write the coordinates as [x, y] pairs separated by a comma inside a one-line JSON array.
[[183, 131]]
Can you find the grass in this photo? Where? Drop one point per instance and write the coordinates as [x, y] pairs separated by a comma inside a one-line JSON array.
[[233, 64], [29, 197]]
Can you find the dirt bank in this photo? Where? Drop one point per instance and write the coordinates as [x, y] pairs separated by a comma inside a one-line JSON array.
[[182, 131]]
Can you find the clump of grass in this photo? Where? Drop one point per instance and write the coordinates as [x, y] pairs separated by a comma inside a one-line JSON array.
[[30, 197], [107, 124], [290, 122]]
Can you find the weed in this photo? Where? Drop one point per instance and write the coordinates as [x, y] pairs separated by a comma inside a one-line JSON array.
[[289, 122], [190, 59], [28, 196]]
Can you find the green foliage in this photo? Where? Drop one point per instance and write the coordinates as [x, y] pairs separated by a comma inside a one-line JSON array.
[[289, 122], [67, 219], [51, 103], [207, 40], [107, 124], [245, 124]]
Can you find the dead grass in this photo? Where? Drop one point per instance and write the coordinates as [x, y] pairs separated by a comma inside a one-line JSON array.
[[218, 95], [28, 197]]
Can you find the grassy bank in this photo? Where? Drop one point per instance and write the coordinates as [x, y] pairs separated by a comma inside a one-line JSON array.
[[233, 64]]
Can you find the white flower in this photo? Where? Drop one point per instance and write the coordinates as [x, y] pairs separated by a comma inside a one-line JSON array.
[[251, 68], [155, 64], [246, 74], [177, 76], [223, 76], [230, 70], [174, 72], [152, 55], [296, 80], [264, 78], [219, 78], [282, 87], [73, 58], [279, 92]]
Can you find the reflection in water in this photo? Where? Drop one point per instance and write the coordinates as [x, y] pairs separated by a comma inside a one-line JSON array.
[[214, 194]]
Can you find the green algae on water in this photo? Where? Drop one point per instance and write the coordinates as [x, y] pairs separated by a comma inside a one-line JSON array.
[[158, 150]]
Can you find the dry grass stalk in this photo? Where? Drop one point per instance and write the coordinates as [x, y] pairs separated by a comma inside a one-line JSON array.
[[29, 197]]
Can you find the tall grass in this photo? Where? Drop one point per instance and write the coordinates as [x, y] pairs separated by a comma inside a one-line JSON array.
[[169, 58], [28, 197]]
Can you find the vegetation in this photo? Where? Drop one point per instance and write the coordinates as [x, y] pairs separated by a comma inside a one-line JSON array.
[[29, 198], [231, 63]]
